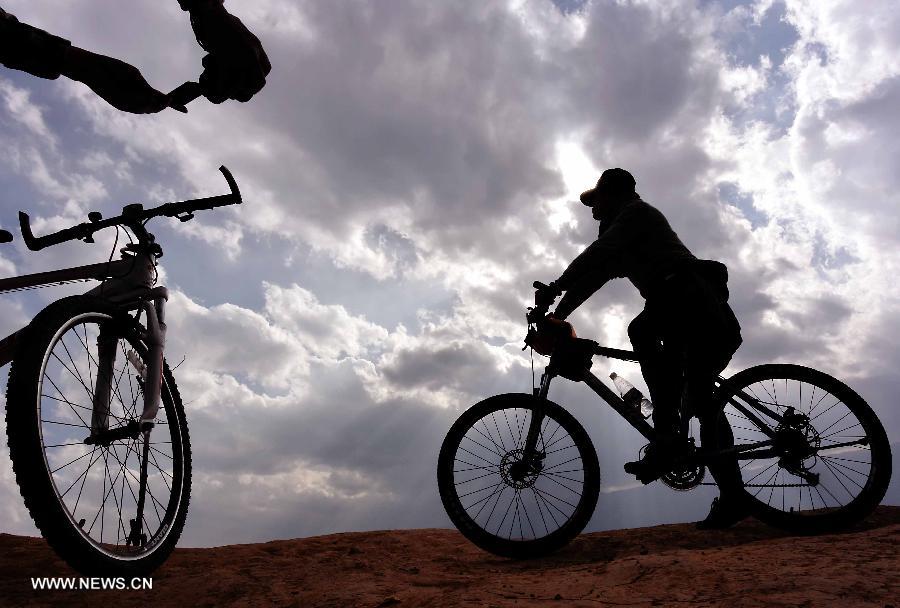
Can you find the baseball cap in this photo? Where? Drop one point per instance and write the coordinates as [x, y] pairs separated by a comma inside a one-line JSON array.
[[611, 180]]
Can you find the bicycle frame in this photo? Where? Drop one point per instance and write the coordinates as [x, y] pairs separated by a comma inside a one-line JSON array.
[[633, 416], [127, 283], [636, 420]]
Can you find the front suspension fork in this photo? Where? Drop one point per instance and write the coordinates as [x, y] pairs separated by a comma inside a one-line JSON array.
[[531, 452], [155, 339], [107, 341], [154, 336]]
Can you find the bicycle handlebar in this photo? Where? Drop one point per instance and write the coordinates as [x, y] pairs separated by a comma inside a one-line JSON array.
[[131, 214]]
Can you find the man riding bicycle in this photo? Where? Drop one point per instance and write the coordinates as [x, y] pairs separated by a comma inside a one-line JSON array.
[[684, 337], [234, 68]]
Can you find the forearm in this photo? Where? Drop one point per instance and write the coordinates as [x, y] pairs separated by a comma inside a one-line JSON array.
[[27, 48], [575, 297]]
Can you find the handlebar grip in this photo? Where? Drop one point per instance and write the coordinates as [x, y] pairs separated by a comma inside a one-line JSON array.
[[34, 243], [539, 285], [6, 236], [231, 184], [27, 236]]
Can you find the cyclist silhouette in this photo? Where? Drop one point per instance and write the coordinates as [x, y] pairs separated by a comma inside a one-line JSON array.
[[684, 337], [234, 68]]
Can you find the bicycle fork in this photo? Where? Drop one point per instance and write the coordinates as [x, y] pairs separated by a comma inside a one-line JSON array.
[[531, 457], [151, 376]]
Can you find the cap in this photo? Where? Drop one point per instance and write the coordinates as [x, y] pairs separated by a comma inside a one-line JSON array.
[[611, 181]]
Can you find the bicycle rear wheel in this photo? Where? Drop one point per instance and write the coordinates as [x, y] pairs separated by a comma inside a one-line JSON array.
[[524, 514], [821, 459], [84, 497]]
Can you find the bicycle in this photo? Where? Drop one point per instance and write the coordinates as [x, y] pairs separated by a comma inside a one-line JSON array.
[[96, 428], [519, 476]]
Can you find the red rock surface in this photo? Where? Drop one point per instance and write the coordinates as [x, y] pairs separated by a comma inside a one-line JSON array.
[[672, 565]]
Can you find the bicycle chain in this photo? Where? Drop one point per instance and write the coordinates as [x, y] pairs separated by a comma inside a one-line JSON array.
[[764, 485]]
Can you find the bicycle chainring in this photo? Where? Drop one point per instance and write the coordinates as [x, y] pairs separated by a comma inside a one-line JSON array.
[[685, 478]]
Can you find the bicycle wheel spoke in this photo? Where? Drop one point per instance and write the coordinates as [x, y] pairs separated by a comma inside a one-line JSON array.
[[112, 484], [825, 411], [74, 460], [161, 453], [500, 454], [561, 484], [844, 466], [74, 366], [491, 474], [506, 514], [469, 493], [474, 466], [509, 428], [83, 477], [568, 447], [53, 384], [548, 443], [836, 422], [566, 478], [843, 430], [521, 428], [499, 434], [162, 472], [563, 463], [838, 472], [476, 455], [548, 495]]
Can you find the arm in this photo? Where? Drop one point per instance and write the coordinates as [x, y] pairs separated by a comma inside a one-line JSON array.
[[237, 65], [596, 265], [575, 296], [32, 50]]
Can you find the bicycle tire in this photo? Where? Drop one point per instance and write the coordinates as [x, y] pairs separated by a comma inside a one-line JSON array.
[[29, 434], [871, 460], [517, 409]]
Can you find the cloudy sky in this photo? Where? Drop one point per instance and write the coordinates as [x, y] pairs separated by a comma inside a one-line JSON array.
[[411, 167]]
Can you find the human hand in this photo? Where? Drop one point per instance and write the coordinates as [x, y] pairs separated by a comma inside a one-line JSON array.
[[121, 84], [237, 65], [545, 295]]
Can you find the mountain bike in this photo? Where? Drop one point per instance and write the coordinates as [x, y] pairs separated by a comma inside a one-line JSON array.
[[95, 424], [519, 476]]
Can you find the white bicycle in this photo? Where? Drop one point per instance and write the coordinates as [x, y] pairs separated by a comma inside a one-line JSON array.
[[96, 428]]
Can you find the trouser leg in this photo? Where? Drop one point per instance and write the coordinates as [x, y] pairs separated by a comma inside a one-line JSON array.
[[662, 369], [715, 433]]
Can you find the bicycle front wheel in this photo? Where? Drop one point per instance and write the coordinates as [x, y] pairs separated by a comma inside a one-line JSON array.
[[813, 455], [498, 505], [84, 497]]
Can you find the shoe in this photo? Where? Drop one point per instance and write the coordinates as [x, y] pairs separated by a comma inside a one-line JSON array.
[[657, 459], [723, 514], [650, 466]]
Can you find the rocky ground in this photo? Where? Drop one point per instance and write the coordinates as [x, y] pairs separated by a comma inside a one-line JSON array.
[[671, 565]]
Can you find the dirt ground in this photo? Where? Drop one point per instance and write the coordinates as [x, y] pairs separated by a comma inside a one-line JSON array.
[[671, 565]]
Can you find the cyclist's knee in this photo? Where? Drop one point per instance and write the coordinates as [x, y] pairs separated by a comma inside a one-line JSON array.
[[641, 334]]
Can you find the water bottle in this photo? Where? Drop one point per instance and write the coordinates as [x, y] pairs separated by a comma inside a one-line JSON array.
[[632, 396]]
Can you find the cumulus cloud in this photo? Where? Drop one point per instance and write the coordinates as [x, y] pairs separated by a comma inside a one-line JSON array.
[[412, 167]]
